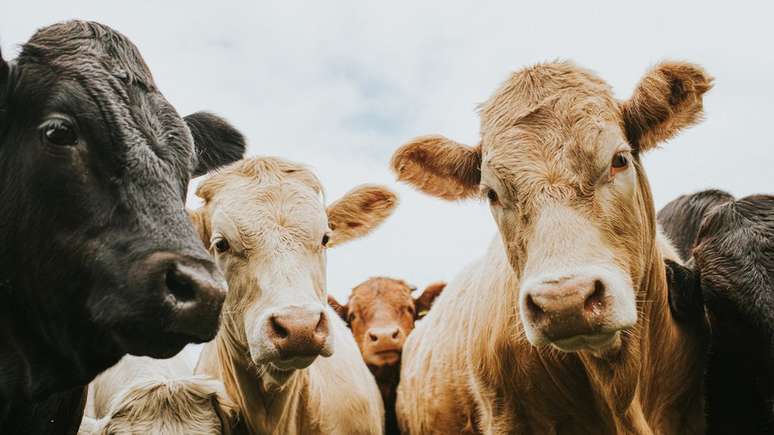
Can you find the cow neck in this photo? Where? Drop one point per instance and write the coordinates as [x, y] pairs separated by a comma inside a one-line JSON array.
[[38, 359], [264, 409], [387, 378]]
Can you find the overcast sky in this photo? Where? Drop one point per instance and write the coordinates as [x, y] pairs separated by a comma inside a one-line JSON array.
[[340, 85]]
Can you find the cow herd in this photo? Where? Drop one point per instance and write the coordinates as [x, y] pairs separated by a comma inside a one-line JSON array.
[[589, 313]]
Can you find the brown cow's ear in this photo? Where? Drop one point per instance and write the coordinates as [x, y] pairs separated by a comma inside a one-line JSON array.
[[667, 100], [424, 301], [439, 166], [359, 212], [341, 310]]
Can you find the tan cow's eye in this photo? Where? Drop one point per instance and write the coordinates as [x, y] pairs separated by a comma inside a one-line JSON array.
[[492, 196], [221, 245], [619, 164], [326, 238], [351, 317]]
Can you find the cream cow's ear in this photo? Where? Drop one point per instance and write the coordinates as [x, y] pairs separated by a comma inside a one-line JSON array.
[[359, 212]]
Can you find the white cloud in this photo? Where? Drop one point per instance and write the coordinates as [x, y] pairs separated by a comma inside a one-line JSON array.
[[339, 85]]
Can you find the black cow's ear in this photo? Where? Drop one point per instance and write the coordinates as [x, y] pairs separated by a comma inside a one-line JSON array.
[[217, 142], [685, 298], [341, 310]]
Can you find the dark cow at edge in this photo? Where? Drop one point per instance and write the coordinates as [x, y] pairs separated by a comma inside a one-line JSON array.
[[730, 244], [97, 256], [381, 313]]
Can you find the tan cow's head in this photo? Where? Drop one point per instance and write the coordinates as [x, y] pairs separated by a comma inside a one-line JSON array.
[[266, 223], [381, 313], [560, 164]]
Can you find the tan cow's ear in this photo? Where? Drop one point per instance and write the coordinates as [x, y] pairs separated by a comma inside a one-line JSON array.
[[341, 310], [424, 301], [667, 100], [439, 166], [359, 212], [201, 225]]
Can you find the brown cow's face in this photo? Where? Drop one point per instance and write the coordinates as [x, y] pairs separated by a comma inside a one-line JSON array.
[[559, 165], [267, 226], [381, 313]]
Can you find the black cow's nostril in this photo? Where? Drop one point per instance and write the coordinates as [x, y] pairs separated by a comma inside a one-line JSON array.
[[180, 285], [596, 300]]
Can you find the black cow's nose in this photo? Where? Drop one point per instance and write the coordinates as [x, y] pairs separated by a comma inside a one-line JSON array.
[[192, 289]]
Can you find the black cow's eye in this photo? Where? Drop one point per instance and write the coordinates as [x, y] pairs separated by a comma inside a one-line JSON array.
[[60, 133], [326, 238], [221, 245]]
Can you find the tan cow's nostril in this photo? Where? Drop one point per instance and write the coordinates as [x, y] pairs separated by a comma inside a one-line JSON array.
[[596, 299], [373, 336], [395, 334], [533, 308]]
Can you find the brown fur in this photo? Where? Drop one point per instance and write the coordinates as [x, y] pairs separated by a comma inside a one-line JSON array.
[[385, 303], [547, 137]]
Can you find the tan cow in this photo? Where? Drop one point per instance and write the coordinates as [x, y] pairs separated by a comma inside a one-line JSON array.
[[563, 325], [142, 395], [381, 313], [268, 228]]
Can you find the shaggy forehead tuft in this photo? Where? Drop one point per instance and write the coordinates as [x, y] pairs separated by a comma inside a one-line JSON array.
[[261, 171], [562, 88]]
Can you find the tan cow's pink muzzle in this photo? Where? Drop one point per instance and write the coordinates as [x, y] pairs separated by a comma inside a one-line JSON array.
[[567, 307]]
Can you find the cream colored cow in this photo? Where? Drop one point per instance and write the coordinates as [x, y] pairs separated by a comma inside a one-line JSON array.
[[142, 395], [283, 354]]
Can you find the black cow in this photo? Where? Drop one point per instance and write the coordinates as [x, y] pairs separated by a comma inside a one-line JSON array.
[[97, 256], [732, 271]]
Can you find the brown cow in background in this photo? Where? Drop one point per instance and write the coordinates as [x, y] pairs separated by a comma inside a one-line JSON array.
[[381, 313]]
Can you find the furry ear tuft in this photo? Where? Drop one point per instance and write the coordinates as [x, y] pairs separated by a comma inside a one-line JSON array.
[[341, 310], [668, 99], [439, 166], [217, 142]]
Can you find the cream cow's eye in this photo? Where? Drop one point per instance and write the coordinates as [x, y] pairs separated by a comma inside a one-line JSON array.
[[221, 245]]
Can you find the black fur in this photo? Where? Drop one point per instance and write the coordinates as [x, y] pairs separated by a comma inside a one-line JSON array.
[[78, 222], [733, 256], [224, 142], [682, 217]]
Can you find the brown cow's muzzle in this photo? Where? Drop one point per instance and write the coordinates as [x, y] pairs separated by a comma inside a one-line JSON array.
[[383, 345]]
